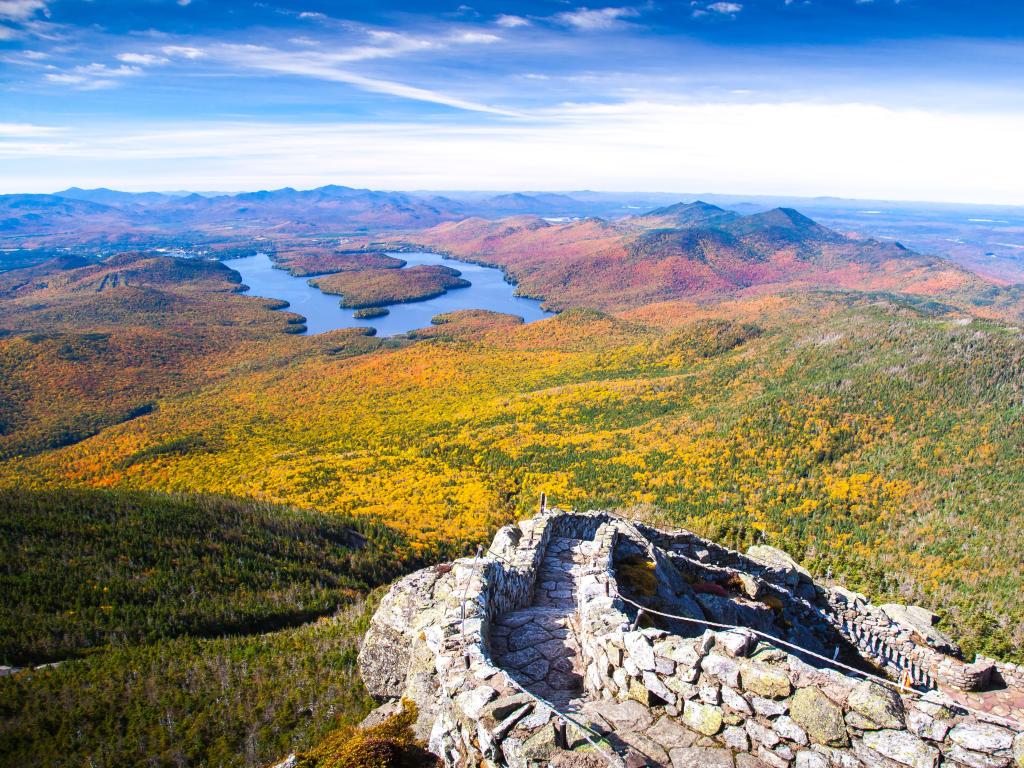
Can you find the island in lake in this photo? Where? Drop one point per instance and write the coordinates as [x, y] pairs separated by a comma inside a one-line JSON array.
[[378, 287], [369, 312]]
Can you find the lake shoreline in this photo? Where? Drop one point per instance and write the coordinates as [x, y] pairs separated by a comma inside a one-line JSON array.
[[489, 288]]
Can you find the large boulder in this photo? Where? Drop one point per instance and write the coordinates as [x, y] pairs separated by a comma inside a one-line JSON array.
[[765, 680], [881, 705], [776, 558], [387, 645], [703, 718], [921, 622], [817, 714], [395, 660], [903, 748], [982, 737]]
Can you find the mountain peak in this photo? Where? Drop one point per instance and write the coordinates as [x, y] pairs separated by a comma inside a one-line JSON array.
[[697, 213], [781, 224]]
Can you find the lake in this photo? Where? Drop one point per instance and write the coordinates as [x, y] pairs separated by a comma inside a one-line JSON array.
[[487, 290]]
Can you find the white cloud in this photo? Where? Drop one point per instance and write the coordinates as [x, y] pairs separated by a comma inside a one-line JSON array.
[[596, 19], [510, 21], [333, 65], [23, 130], [6, 33], [312, 15], [326, 66], [183, 3], [182, 51], [102, 70], [22, 10], [476, 37], [725, 7], [141, 59], [82, 82], [93, 77], [850, 150]]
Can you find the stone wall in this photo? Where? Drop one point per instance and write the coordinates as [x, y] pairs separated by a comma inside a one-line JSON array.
[[1010, 675], [898, 638], [738, 699]]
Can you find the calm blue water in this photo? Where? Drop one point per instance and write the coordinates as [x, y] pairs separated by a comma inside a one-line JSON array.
[[488, 290]]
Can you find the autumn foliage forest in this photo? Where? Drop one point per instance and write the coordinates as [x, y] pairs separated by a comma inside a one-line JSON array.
[[852, 402]]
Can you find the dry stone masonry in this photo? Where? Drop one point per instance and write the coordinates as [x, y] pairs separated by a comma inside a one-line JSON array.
[[536, 654]]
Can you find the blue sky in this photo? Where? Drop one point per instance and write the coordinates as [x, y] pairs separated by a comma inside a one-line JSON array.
[[902, 99]]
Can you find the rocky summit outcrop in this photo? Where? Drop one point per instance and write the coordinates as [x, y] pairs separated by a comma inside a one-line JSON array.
[[583, 639]]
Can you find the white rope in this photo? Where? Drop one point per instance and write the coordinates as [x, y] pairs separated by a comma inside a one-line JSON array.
[[614, 760], [766, 636]]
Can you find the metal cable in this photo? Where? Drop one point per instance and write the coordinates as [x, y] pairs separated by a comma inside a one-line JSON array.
[[772, 638], [614, 760]]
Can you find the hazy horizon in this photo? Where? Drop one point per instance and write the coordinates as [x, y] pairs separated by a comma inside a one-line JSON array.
[[724, 198], [866, 99]]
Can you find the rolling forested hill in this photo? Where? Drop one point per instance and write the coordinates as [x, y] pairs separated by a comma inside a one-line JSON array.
[[875, 438], [185, 627]]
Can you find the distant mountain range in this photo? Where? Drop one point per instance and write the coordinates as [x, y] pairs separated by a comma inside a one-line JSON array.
[[989, 241], [105, 216]]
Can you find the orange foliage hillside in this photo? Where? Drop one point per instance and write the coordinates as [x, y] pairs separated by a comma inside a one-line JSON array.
[[695, 253]]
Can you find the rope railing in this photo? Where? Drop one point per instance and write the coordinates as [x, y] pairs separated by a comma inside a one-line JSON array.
[[732, 627], [772, 638], [758, 633], [766, 636]]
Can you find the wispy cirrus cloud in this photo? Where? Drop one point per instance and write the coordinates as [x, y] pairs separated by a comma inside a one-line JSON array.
[[22, 10], [597, 19], [511, 21], [328, 66], [22, 14], [93, 77], [476, 37], [142, 59], [182, 51]]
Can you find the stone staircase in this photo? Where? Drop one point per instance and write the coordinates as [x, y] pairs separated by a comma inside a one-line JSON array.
[[538, 645]]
